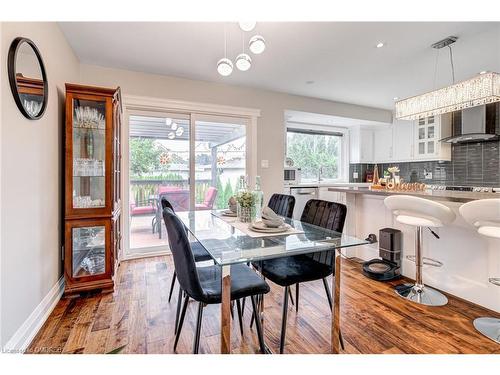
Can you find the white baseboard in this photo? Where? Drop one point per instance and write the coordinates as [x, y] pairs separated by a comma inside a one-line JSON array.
[[20, 341]]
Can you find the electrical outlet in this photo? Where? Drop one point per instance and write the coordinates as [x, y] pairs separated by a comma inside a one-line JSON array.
[[264, 163], [428, 175], [355, 174]]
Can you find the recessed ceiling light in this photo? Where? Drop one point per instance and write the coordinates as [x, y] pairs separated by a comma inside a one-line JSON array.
[[483, 72], [396, 98], [380, 45]]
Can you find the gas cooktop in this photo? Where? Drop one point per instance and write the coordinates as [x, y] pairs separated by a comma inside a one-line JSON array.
[[475, 189]]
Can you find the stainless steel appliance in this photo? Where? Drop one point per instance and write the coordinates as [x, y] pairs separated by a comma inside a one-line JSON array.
[[291, 175], [302, 195], [475, 189]]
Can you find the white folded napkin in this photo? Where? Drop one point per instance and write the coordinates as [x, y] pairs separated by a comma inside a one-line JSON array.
[[270, 218]]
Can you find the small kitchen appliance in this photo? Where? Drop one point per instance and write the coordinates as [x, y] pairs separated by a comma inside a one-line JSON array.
[[389, 267], [291, 175]]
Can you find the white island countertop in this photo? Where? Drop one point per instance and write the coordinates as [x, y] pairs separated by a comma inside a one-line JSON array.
[[326, 184]]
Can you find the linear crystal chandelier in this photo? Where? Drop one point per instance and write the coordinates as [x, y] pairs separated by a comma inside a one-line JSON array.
[[481, 89], [478, 90]]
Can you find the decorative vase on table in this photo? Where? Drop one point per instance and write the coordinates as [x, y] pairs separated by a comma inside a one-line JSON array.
[[258, 197], [246, 203]]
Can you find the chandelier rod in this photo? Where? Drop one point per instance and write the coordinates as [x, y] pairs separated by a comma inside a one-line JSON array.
[[452, 66]]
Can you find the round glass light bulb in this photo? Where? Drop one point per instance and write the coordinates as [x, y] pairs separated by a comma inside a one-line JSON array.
[[179, 131], [174, 126], [243, 62], [257, 44], [225, 67], [168, 121], [247, 25], [171, 135]]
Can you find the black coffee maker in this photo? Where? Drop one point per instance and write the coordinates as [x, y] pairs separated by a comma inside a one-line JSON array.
[[389, 267]]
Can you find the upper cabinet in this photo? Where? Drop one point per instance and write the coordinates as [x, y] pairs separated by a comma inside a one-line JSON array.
[[361, 145], [383, 148], [403, 141], [427, 133]]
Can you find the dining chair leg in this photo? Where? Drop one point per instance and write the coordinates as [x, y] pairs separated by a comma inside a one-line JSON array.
[[243, 306], [260, 333], [283, 319], [341, 340], [181, 321], [179, 302], [232, 309], [196, 343], [290, 294], [240, 317], [328, 293], [174, 276], [297, 297]]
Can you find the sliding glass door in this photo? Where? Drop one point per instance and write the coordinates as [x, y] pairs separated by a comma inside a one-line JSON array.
[[159, 166], [219, 160], [167, 151]]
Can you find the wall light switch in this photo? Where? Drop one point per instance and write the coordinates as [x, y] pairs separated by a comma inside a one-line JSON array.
[[264, 163], [355, 175]]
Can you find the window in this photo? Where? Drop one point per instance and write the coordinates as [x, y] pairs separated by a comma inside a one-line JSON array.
[[318, 153]]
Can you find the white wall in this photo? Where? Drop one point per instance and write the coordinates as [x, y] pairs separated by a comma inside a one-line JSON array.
[[270, 131], [30, 180]]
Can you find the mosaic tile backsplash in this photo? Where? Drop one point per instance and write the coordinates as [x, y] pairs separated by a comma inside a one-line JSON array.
[[472, 164]]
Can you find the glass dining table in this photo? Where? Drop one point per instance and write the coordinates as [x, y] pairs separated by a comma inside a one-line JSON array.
[[228, 245]]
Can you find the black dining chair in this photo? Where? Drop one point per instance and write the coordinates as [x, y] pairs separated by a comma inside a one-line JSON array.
[[282, 204], [287, 271], [203, 284], [199, 254]]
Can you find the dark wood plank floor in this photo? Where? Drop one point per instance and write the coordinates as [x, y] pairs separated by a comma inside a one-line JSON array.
[[374, 319]]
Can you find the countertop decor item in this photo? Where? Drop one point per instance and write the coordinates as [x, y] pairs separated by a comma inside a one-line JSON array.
[[27, 78]]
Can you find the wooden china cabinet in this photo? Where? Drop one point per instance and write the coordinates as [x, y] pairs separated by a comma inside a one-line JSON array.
[[92, 244]]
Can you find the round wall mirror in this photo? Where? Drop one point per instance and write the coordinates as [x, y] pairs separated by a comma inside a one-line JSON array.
[[27, 78]]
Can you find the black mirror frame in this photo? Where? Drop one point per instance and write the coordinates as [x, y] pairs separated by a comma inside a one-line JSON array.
[[11, 68]]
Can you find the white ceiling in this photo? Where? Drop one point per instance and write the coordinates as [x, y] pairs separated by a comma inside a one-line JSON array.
[[340, 58]]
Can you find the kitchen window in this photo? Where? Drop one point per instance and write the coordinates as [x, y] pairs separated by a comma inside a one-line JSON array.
[[318, 153]]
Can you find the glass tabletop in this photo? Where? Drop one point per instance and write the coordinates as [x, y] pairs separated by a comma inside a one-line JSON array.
[[228, 245]]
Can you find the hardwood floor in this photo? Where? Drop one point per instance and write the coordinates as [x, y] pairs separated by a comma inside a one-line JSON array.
[[374, 319]]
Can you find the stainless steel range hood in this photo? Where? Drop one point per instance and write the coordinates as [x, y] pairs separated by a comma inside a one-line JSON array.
[[476, 124]]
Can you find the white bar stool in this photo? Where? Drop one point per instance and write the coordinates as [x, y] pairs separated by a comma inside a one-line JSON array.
[[420, 212], [484, 214]]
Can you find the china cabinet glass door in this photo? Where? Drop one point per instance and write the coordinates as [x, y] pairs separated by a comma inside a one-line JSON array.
[[89, 154], [88, 246]]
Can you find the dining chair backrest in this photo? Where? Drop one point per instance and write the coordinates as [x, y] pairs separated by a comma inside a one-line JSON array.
[[324, 214], [185, 266], [328, 215], [165, 203], [282, 204]]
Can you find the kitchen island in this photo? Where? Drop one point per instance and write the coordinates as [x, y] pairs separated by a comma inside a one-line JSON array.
[[469, 259]]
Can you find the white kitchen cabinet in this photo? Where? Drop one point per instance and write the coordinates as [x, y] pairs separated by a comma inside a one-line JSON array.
[[331, 196], [360, 145], [427, 133], [383, 145], [403, 143]]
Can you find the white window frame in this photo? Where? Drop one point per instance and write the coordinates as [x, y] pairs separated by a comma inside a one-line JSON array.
[[344, 148]]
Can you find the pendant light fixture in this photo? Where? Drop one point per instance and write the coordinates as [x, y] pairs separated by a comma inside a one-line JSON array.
[[476, 91], [224, 65], [257, 44], [247, 25], [243, 61]]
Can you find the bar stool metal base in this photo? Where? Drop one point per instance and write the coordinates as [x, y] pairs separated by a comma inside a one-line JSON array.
[[489, 327], [421, 294]]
